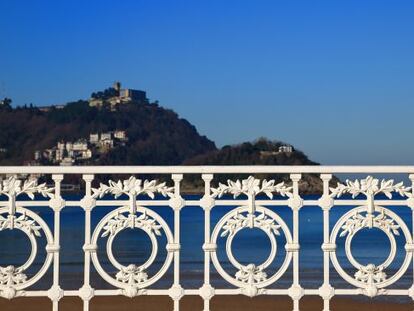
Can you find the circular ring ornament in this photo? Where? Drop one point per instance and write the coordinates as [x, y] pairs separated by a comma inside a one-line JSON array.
[[370, 275], [265, 264], [12, 278], [131, 277], [237, 220], [144, 266]]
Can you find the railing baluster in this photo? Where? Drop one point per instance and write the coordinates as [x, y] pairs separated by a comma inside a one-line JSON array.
[[57, 203], [207, 203], [295, 203], [325, 202], [86, 292], [177, 203]]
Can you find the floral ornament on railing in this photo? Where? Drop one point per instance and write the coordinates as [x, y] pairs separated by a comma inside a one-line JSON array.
[[370, 274], [251, 274], [13, 187], [11, 276], [239, 221], [359, 221], [120, 222], [21, 222], [132, 275], [251, 186], [371, 186], [133, 187]]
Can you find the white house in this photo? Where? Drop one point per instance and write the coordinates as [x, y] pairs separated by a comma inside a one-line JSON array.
[[69, 146], [106, 136], [80, 145], [86, 154], [106, 143], [119, 134], [286, 149]]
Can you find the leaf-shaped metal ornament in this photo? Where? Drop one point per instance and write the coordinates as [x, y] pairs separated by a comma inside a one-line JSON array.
[[251, 186], [132, 187], [13, 187], [120, 222], [370, 186]]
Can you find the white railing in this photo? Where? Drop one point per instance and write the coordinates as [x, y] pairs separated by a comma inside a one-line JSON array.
[[131, 210]]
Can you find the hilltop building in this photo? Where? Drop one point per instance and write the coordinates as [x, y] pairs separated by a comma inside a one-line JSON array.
[[116, 95], [282, 149], [286, 149], [127, 95]]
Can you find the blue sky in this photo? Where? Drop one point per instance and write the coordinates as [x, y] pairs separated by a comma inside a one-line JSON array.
[[334, 78]]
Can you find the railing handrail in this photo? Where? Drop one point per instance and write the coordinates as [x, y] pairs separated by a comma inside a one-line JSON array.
[[210, 169]]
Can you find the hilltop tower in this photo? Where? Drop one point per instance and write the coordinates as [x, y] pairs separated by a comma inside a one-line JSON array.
[[117, 86]]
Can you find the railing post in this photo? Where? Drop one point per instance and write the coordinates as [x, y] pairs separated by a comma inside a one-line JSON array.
[[296, 292], [55, 293], [207, 203], [176, 292], [86, 292], [326, 291]]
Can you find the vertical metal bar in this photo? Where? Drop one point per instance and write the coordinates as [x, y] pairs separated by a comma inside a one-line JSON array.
[[57, 203], [326, 203], [177, 203], [86, 292], [207, 203], [296, 291]]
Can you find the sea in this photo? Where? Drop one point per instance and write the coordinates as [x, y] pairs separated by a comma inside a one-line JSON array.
[[249, 246]]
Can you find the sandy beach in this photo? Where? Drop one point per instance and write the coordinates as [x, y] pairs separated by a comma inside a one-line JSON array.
[[191, 303]]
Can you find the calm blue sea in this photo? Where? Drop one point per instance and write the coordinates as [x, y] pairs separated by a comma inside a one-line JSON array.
[[250, 245]]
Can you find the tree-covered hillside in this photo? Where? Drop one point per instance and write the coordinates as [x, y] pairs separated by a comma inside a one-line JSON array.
[[155, 135], [259, 152]]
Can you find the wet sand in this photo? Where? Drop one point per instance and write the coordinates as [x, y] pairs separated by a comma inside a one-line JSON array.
[[194, 303]]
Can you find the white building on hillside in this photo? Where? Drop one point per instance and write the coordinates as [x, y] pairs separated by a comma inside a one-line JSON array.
[[286, 149], [106, 136], [80, 145], [94, 138], [119, 134]]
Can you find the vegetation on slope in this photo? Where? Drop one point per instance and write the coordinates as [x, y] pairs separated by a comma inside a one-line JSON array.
[[156, 135], [259, 152]]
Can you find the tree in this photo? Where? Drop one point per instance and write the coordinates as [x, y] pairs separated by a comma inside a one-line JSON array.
[[6, 104]]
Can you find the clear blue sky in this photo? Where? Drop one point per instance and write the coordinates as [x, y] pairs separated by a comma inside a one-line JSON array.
[[334, 78]]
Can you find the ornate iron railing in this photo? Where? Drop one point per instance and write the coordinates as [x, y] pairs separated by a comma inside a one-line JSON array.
[[253, 211]]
